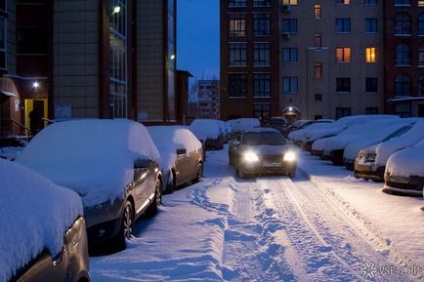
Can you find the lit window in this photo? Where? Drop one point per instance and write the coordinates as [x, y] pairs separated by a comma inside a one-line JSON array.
[[289, 2], [237, 25], [371, 55], [317, 11], [318, 70], [420, 3], [342, 2], [343, 55]]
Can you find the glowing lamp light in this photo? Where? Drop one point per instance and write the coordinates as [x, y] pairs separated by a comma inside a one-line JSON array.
[[36, 84], [172, 57], [116, 10]]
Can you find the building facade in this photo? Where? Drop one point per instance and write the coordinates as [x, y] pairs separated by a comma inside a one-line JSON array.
[[209, 99], [250, 39], [404, 57], [326, 58], [87, 59]]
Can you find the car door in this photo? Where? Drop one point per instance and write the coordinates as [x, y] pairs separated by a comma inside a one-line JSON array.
[[144, 183], [183, 165]]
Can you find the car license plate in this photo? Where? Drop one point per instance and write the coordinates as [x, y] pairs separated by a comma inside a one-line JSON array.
[[271, 164], [399, 179]]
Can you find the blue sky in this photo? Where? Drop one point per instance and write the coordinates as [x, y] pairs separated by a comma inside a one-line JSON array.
[[198, 37]]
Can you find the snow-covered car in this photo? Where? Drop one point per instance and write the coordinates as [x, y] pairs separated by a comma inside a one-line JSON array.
[[298, 124], [243, 124], [404, 174], [374, 137], [209, 130], [112, 164], [181, 155], [43, 235], [333, 147], [370, 162], [332, 129], [262, 151]]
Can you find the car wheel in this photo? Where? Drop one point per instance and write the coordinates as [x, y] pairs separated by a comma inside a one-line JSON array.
[[153, 208], [126, 230], [199, 173], [292, 173], [170, 183]]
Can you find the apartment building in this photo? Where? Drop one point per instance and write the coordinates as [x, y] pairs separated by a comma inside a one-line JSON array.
[[87, 59], [209, 99], [326, 58], [250, 58], [404, 57]]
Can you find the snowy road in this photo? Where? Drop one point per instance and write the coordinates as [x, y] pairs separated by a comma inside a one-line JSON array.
[[272, 229]]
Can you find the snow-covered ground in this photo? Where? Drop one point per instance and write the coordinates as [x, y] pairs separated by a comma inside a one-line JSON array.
[[325, 225]]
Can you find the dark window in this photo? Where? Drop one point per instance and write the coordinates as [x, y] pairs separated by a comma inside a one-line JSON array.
[[261, 3], [290, 25], [261, 54], [371, 25], [261, 24], [237, 54], [237, 85], [403, 85], [290, 85], [370, 2], [371, 110], [290, 55], [420, 24], [318, 97], [402, 24], [343, 25], [343, 112], [371, 84], [342, 84], [402, 55], [262, 85], [236, 3], [421, 86]]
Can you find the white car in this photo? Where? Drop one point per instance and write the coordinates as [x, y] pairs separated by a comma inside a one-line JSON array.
[[181, 155], [112, 164], [404, 174], [370, 162], [42, 235], [334, 147]]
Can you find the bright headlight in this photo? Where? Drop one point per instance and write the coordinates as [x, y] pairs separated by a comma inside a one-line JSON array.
[[289, 156], [250, 157]]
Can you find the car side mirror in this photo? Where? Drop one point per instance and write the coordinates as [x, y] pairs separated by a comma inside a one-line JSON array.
[[181, 151]]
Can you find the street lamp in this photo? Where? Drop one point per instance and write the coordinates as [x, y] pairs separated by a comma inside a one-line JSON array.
[[35, 85]]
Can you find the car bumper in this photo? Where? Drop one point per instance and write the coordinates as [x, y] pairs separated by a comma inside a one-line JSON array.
[[261, 167], [369, 172], [401, 185], [103, 221]]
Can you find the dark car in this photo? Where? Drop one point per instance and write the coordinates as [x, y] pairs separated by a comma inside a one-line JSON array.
[[278, 123], [262, 151], [181, 155], [112, 164], [43, 235]]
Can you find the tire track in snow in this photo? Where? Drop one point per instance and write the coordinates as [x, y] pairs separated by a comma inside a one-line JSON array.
[[322, 260]]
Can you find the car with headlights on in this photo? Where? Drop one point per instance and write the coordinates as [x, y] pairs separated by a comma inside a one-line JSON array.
[[42, 235], [181, 155], [112, 164], [262, 151]]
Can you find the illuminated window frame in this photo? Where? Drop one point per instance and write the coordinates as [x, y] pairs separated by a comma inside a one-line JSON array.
[[371, 55]]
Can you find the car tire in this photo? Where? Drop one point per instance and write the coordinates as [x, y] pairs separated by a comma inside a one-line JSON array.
[[152, 210], [170, 183], [199, 173], [126, 230]]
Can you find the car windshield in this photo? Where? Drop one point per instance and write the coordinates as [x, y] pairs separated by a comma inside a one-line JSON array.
[[277, 121], [262, 138]]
